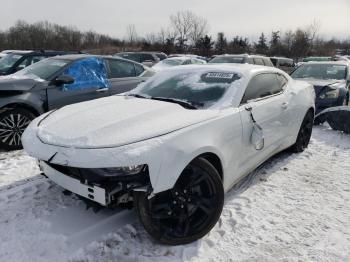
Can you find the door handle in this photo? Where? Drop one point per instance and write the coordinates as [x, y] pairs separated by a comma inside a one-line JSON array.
[[284, 105], [102, 89]]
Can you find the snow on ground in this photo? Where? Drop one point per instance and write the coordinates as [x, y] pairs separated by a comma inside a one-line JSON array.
[[293, 208]]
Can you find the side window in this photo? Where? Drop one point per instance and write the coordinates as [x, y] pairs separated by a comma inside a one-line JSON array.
[[282, 80], [36, 59], [120, 69], [26, 62], [261, 86], [139, 69], [267, 62], [187, 62], [258, 61], [131, 56], [87, 73], [147, 57]]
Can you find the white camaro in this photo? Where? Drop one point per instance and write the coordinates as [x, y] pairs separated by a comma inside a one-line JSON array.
[[175, 144]]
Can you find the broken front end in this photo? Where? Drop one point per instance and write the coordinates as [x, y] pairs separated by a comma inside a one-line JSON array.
[[109, 187]]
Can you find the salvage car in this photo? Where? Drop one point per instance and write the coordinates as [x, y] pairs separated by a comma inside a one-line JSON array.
[[283, 63], [331, 81], [176, 61], [174, 145], [59, 81], [16, 60]]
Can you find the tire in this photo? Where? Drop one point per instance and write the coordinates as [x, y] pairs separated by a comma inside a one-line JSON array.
[[188, 211], [13, 122], [304, 134], [346, 100]]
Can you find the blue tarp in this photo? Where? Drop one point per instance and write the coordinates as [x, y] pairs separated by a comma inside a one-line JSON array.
[[87, 73]]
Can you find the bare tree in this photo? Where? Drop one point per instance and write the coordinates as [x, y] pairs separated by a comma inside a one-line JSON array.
[[200, 28], [187, 26], [131, 34]]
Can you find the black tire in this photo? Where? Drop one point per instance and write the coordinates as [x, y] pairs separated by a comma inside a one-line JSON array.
[[304, 134], [188, 211], [346, 100], [13, 122]]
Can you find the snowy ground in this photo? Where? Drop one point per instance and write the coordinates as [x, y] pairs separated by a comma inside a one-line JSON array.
[[294, 208]]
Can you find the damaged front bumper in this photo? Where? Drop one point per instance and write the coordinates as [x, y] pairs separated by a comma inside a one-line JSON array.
[[98, 186]]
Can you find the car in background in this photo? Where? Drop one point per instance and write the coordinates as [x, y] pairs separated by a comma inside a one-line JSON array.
[[17, 60], [177, 61], [59, 81], [331, 81], [6, 52], [283, 63], [173, 146], [189, 55], [242, 59], [147, 58], [317, 59]]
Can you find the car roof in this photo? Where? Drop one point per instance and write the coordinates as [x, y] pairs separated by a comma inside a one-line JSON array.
[[179, 58], [242, 69], [241, 55]]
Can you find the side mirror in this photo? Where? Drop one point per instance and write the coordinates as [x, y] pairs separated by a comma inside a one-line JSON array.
[[64, 80]]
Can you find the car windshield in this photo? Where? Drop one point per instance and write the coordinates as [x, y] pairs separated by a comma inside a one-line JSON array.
[[8, 61], [228, 59], [43, 69], [321, 71], [201, 89], [172, 62]]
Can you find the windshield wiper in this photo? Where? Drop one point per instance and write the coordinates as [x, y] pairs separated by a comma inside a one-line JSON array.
[[185, 104], [138, 96]]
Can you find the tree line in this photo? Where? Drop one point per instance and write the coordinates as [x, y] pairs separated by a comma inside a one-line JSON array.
[[186, 33]]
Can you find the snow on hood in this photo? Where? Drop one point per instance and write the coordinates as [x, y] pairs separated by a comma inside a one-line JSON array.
[[116, 121]]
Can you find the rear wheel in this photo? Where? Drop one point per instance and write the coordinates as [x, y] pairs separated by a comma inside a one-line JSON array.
[[189, 210], [304, 134], [12, 125]]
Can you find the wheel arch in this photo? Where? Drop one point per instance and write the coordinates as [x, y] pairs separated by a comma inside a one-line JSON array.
[[22, 105]]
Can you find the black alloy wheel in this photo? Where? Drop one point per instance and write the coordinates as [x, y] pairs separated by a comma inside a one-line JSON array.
[[189, 210], [12, 125]]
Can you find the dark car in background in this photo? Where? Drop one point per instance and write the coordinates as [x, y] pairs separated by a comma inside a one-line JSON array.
[[242, 59], [16, 60], [283, 63], [59, 81], [331, 81], [146, 58]]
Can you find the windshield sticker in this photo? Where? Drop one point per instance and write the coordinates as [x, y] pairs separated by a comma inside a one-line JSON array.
[[219, 77]]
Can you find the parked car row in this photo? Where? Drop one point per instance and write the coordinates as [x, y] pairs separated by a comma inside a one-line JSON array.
[[169, 143]]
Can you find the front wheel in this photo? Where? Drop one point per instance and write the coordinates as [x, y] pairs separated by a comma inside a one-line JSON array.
[[304, 134], [189, 210], [13, 122]]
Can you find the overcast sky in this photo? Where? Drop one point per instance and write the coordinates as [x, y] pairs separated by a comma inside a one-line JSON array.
[[234, 17]]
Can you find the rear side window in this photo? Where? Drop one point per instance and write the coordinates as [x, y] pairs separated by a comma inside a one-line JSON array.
[[120, 69], [261, 86], [267, 62], [130, 56], [147, 57], [258, 61]]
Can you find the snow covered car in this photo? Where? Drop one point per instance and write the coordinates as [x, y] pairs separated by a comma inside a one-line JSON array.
[[177, 61], [176, 143]]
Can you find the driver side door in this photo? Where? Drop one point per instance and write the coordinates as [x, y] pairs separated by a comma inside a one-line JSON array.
[[90, 82], [266, 98]]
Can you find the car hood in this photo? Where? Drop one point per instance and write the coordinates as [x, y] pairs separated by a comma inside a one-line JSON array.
[[115, 121], [15, 83]]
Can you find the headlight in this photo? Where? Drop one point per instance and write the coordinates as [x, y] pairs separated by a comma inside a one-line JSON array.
[[127, 170], [332, 94]]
